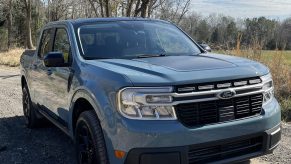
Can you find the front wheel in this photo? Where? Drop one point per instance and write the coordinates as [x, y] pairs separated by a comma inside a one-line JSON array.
[[89, 140]]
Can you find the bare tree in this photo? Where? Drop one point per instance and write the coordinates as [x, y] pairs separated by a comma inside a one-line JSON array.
[[129, 7], [9, 24], [107, 8], [6, 9], [136, 10], [184, 11], [92, 3], [103, 7], [27, 5], [174, 10], [58, 9], [143, 8], [153, 5]]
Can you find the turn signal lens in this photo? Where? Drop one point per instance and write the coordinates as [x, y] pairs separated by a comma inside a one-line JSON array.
[[119, 154]]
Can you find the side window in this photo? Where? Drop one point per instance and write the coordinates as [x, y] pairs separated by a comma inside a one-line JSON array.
[[62, 44], [45, 43]]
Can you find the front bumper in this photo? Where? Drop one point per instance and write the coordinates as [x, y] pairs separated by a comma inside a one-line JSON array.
[[151, 141], [223, 151]]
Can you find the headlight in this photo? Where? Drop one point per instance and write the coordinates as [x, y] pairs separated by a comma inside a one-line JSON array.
[[152, 103], [268, 88]]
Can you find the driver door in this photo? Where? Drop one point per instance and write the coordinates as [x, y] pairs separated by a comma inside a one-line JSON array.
[[59, 78]]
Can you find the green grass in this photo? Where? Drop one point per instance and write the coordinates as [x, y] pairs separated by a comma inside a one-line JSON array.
[[270, 54], [265, 54]]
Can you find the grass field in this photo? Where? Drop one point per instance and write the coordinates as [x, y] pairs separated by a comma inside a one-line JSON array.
[[264, 55], [270, 54]]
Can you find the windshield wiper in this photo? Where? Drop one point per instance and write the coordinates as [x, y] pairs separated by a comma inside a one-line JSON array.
[[151, 55]]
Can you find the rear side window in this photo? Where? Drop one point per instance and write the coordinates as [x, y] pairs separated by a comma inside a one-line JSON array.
[[62, 44], [45, 44]]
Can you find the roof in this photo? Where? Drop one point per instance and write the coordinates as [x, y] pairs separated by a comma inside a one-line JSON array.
[[110, 19]]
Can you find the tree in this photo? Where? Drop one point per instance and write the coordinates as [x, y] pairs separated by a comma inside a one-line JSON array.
[[6, 17], [9, 24], [259, 31], [129, 7], [174, 10], [27, 4], [202, 31]]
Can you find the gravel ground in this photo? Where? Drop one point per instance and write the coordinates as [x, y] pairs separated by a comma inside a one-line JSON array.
[[21, 145], [50, 145]]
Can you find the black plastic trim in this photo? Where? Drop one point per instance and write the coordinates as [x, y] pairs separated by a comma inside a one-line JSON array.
[[134, 156]]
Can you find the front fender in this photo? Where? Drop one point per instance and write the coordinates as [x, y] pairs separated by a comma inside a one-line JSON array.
[[86, 94], [102, 105]]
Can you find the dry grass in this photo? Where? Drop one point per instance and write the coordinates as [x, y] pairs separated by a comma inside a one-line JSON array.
[[279, 63], [11, 58]]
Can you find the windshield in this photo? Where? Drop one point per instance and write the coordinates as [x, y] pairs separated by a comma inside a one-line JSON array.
[[132, 39]]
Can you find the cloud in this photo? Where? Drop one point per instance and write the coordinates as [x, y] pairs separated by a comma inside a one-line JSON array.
[[242, 9]]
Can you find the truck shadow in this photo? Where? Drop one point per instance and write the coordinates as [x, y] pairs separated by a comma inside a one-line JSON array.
[[47, 144]]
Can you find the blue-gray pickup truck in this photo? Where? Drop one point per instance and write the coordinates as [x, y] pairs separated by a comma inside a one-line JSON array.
[[141, 91]]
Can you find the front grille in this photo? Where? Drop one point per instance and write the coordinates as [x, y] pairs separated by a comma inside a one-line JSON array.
[[209, 112], [217, 85], [224, 151]]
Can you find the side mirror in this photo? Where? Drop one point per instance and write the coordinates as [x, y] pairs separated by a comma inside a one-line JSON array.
[[54, 59], [206, 47]]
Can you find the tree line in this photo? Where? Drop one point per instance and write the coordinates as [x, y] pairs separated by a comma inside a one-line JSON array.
[[226, 33], [21, 21]]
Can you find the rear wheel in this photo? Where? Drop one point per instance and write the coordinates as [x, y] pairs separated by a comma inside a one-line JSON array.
[[89, 140], [29, 112]]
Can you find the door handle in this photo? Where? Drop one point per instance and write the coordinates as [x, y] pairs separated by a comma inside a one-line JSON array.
[[49, 72]]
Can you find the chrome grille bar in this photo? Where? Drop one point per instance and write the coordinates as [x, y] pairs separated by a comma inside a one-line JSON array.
[[194, 96]]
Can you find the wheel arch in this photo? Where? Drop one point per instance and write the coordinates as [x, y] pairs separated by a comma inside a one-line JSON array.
[[83, 95], [82, 101]]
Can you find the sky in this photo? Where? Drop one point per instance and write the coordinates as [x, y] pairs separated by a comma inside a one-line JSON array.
[[275, 9]]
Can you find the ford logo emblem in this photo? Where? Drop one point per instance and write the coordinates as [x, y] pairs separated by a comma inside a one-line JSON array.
[[226, 94]]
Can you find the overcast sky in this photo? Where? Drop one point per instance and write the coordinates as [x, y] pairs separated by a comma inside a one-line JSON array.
[[244, 8]]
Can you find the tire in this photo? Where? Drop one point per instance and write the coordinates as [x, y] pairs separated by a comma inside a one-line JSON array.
[[31, 119], [89, 140]]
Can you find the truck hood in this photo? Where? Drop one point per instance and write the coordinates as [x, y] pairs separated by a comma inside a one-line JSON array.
[[174, 70]]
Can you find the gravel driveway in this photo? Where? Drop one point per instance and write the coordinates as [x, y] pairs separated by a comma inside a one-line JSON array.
[[40, 146], [50, 145]]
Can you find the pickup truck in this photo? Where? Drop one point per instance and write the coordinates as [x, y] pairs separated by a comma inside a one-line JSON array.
[[141, 91]]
